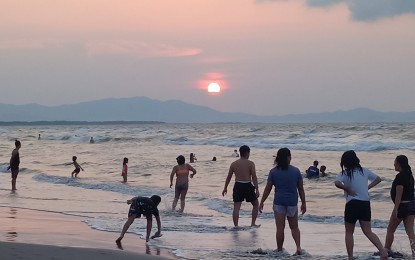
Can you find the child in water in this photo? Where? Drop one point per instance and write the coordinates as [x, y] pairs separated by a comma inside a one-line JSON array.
[[78, 167], [323, 171], [124, 169]]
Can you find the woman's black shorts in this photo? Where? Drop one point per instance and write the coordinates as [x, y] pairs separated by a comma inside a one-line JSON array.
[[357, 210]]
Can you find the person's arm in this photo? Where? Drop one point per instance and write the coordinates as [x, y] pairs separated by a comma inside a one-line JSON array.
[[228, 179], [172, 175], [265, 195], [11, 160], [149, 226], [78, 165], [255, 179], [374, 183], [192, 169], [158, 233], [12, 157], [300, 188], [340, 185]]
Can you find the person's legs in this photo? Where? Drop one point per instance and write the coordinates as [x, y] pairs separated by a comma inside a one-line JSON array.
[[409, 228], [176, 198], [280, 223], [77, 170], [14, 178], [255, 207], [14, 184], [366, 227], [392, 226], [235, 214], [127, 224], [183, 199], [349, 238], [295, 231]]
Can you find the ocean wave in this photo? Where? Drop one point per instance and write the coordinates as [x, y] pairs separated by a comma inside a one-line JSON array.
[[3, 168], [305, 144], [115, 187]]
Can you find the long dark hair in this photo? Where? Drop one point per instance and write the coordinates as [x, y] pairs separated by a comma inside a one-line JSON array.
[[349, 163], [402, 160], [281, 160]]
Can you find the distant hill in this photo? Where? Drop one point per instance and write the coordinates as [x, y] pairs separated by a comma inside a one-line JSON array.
[[173, 111]]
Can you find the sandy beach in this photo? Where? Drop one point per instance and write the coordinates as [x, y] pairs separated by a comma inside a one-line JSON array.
[[31, 234]]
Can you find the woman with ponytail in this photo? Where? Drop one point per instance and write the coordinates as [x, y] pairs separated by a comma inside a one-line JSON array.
[[402, 195], [356, 182]]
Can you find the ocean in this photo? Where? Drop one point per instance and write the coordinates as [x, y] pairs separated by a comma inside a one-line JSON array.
[[205, 229]]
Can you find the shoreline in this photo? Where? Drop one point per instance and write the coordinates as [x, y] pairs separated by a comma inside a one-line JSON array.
[[34, 234]]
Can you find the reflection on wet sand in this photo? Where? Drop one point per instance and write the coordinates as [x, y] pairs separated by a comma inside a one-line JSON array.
[[11, 233], [149, 252]]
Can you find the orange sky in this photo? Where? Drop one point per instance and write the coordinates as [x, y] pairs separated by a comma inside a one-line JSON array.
[[267, 50]]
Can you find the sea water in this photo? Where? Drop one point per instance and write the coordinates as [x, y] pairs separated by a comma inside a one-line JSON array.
[[205, 229]]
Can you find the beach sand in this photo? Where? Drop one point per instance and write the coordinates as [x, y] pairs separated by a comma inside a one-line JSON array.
[[31, 234]]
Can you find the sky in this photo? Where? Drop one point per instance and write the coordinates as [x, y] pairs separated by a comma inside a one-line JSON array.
[[269, 57]]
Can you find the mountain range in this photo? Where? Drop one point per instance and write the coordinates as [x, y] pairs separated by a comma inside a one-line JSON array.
[[174, 111]]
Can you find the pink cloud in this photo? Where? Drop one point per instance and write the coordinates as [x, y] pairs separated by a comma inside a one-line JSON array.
[[139, 49], [28, 43]]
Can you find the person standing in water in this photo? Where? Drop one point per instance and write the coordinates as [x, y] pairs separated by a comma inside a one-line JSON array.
[[192, 158], [288, 184], [354, 179], [181, 170], [245, 187], [78, 167], [124, 169], [14, 163], [402, 195]]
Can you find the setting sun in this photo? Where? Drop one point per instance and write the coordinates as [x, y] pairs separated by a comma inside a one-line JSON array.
[[213, 87]]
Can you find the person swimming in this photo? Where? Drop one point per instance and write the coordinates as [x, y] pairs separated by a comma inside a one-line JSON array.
[[323, 171]]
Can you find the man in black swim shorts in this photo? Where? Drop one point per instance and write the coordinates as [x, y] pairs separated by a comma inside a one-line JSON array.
[[246, 185]]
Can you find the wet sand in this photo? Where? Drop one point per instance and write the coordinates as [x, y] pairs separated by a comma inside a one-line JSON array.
[[31, 234]]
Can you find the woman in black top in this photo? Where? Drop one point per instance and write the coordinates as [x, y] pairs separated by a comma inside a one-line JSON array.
[[402, 195]]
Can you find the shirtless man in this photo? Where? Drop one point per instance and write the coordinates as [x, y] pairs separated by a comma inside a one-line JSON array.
[[14, 163], [246, 185]]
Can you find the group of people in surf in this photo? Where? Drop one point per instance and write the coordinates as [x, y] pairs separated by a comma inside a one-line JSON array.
[[354, 180]]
